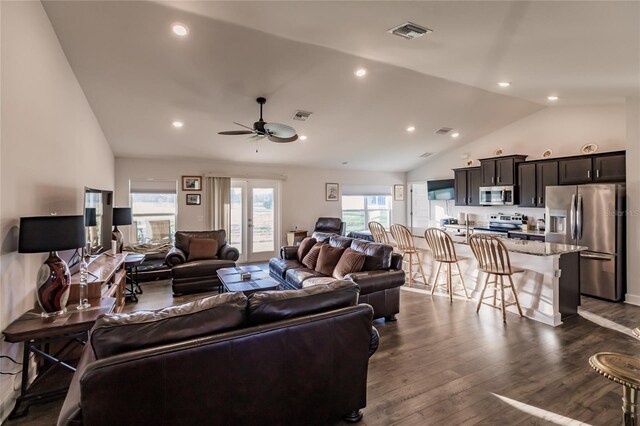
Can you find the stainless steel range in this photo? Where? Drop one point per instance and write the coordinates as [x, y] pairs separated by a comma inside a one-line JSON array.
[[501, 224]]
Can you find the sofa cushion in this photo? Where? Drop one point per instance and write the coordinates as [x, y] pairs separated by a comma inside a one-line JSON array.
[[202, 249], [338, 241], [378, 256], [322, 237], [351, 261], [305, 246], [311, 258], [117, 333], [295, 277], [269, 306], [182, 238], [200, 268], [328, 259], [309, 282], [281, 266]]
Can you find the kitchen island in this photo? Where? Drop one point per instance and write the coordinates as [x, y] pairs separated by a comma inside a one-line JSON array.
[[549, 287]]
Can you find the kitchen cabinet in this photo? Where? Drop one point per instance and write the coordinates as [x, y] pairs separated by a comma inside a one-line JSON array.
[[609, 168], [546, 175], [500, 171], [574, 171], [525, 236], [527, 184], [467, 186]]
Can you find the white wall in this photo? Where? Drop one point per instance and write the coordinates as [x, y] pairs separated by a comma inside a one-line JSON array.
[[303, 191], [633, 200], [563, 129], [51, 146]]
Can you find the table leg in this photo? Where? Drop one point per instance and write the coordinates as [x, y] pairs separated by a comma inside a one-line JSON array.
[[138, 288], [17, 412], [630, 407]]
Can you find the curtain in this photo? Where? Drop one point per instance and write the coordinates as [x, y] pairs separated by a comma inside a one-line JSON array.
[[219, 203]]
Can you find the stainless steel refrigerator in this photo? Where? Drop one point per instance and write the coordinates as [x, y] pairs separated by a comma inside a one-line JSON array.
[[592, 216]]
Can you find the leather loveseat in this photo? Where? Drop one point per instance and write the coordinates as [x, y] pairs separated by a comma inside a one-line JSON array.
[[278, 357], [198, 275], [380, 279]]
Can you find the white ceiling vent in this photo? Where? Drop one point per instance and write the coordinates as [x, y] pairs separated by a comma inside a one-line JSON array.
[[302, 115], [443, 130], [426, 154], [409, 30]]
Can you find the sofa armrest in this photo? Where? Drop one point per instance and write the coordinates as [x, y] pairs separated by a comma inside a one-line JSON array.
[[289, 252], [71, 412], [374, 341], [228, 253], [175, 256], [396, 261], [372, 281]]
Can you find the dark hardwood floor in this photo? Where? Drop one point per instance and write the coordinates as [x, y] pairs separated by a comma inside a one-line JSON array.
[[443, 364]]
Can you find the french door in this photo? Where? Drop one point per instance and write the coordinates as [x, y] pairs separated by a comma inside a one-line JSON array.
[[255, 219]]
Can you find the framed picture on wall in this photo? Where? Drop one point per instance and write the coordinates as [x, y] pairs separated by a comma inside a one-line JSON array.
[[194, 199], [398, 192], [192, 183], [331, 191]]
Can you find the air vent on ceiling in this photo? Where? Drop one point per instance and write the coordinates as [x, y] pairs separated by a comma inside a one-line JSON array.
[[426, 154], [302, 115], [409, 30], [443, 130]]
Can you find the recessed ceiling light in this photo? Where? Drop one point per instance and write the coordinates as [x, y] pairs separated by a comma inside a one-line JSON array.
[[504, 83], [180, 29], [410, 129], [177, 124], [552, 98], [360, 72], [303, 138], [344, 163], [455, 135]]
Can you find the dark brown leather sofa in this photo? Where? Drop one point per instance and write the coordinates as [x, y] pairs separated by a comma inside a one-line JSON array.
[[280, 357], [379, 281], [199, 275]]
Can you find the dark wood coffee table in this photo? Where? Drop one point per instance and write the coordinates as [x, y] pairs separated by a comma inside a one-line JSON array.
[[260, 280]]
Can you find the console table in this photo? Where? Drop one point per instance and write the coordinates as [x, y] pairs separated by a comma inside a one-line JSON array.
[[37, 334], [107, 278]]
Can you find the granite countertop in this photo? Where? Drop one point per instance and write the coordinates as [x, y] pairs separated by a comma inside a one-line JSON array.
[[534, 248], [528, 232]]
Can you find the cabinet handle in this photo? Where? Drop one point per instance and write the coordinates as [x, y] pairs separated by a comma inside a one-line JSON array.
[[492, 178], [589, 174], [540, 201], [598, 173], [533, 200], [498, 179]]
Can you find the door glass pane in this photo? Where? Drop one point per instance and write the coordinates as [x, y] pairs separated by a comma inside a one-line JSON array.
[[235, 238], [263, 220]]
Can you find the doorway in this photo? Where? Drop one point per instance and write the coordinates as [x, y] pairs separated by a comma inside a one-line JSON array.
[[255, 219]]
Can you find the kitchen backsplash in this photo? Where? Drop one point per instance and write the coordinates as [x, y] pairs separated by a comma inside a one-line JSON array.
[[480, 214]]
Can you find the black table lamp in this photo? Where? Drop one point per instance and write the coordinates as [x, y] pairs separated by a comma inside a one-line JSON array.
[[43, 234], [121, 216]]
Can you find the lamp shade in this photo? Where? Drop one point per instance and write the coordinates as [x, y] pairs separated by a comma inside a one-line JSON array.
[[41, 234], [122, 216], [90, 216]]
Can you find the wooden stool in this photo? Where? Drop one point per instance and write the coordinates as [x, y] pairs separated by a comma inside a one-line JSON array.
[[625, 370], [441, 245], [406, 247], [493, 259], [378, 233]]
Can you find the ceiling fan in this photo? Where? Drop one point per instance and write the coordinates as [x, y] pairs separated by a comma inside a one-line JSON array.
[[275, 132]]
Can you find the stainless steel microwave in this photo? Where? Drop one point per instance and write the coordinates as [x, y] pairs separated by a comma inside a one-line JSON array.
[[496, 195]]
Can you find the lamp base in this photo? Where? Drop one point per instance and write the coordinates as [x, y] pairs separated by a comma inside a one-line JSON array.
[[53, 286], [116, 235]]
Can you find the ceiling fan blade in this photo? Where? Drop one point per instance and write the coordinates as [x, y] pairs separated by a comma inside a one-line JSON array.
[[273, 138], [242, 125], [236, 132]]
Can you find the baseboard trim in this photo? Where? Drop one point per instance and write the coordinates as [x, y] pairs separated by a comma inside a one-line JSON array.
[[632, 299]]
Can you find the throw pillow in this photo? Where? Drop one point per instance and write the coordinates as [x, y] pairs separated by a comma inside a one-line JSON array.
[[351, 261], [328, 259], [202, 249], [311, 259], [305, 246]]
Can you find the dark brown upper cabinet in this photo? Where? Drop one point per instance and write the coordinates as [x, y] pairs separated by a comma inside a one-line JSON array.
[[500, 171], [467, 186], [546, 175], [527, 184], [460, 186], [575, 171], [609, 168]]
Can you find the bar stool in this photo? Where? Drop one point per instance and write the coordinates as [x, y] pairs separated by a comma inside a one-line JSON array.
[[493, 259], [378, 233], [406, 247], [441, 245]]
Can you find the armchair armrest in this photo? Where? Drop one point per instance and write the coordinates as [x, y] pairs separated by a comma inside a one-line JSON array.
[[372, 281], [289, 252], [71, 412], [374, 341], [229, 253], [175, 256]]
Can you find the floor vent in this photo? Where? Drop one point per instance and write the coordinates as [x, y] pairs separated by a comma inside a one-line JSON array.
[[409, 30], [443, 130], [302, 115]]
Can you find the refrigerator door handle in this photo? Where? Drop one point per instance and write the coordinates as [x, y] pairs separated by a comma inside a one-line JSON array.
[[595, 256], [579, 217], [572, 217]]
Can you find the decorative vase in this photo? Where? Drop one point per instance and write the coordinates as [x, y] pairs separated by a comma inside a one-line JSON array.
[[53, 285]]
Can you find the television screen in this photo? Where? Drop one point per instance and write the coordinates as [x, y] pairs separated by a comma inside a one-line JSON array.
[[440, 189]]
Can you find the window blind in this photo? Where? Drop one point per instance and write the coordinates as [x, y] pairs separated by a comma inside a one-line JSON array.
[[153, 186], [366, 190]]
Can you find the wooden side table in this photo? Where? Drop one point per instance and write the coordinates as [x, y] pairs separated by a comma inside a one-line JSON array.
[[625, 370], [37, 334], [295, 237]]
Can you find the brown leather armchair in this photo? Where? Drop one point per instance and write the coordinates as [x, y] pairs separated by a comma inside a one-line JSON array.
[[198, 275], [327, 226]]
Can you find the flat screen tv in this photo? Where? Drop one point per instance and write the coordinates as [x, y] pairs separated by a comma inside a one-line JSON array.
[[441, 189]]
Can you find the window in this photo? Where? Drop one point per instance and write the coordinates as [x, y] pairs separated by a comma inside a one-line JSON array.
[[154, 206], [359, 210]]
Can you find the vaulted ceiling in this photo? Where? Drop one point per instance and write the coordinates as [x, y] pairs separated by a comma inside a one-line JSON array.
[[139, 77]]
